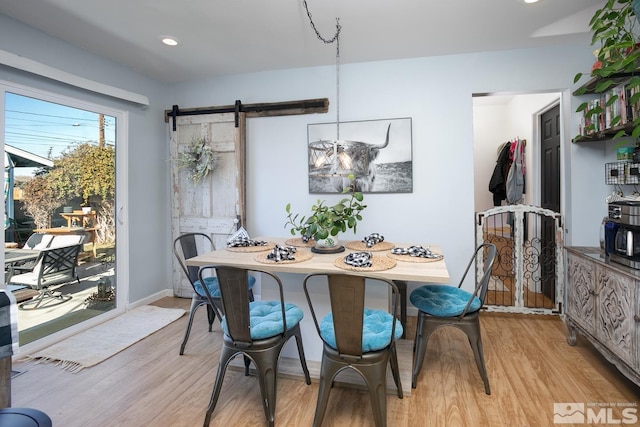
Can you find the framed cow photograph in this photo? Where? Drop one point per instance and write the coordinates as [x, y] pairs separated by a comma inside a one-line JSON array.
[[377, 153]]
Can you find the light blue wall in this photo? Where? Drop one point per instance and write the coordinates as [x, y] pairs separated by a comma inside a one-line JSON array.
[[435, 92], [148, 211]]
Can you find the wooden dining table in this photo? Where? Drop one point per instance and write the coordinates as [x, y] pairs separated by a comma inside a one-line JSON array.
[[291, 275], [431, 272]]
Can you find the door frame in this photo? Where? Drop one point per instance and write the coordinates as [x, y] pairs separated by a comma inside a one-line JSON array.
[[122, 197]]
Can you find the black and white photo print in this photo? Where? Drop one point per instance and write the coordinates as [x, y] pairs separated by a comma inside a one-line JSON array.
[[377, 153]]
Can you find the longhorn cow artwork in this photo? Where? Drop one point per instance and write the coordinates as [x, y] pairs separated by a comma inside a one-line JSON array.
[[377, 153]]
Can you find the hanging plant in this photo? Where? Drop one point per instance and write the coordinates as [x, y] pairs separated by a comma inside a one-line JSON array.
[[199, 159]]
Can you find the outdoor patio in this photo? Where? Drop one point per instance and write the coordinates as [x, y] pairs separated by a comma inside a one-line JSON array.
[[51, 316]]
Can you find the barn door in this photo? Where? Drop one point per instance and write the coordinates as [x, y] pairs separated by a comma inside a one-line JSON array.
[[215, 205]]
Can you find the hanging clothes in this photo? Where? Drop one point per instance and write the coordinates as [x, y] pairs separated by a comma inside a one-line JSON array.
[[515, 177], [498, 181]]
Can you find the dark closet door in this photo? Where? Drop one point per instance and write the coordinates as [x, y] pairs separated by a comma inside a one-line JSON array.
[[550, 197]]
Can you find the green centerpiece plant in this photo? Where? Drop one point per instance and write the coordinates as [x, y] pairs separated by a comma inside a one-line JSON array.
[[326, 221]]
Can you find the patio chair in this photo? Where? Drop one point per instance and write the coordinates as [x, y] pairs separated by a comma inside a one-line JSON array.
[[355, 338], [189, 245], [257, 330], [444, 305], [54, 266]]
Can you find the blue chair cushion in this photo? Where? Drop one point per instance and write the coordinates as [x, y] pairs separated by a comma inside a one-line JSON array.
[[376, 330], [266, 318], [443, 300], [212, 285]]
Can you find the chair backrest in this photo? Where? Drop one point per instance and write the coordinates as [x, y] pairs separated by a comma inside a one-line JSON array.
[[67, 239], [187, 246], [347, 300], [38, 241], [234, 291], [488, 253], [59, 264]]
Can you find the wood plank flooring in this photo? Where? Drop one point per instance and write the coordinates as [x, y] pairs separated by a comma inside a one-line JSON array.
[[530, 368]]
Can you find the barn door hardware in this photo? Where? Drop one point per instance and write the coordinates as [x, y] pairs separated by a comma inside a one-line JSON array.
[[268, 109]]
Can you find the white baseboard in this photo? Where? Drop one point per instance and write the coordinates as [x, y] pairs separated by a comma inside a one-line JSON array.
[[150, 299]]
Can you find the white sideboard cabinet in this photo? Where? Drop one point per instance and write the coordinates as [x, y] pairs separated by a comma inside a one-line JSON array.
[[602, 301]]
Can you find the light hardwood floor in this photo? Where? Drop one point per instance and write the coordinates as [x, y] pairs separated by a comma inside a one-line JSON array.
[[530, 368]]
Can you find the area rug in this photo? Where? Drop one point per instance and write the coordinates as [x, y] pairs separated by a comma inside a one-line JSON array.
[[95, 345]]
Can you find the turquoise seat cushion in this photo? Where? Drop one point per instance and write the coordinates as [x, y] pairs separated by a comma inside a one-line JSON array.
[[212, 286], [266, 318], [376, 330], [443, 300]]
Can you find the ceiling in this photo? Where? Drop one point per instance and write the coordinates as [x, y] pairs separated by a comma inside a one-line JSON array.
[[241, 36]]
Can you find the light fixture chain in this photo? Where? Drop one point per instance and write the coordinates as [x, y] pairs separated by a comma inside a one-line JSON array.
[[326, 41], [335, 38]]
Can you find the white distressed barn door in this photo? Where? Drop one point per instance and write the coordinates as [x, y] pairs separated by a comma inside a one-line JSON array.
[[216, 205]]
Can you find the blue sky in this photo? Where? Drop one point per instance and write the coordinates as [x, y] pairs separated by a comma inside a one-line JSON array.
[[47, 129]]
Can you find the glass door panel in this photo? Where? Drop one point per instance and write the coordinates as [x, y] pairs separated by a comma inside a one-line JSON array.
[[60, 175]]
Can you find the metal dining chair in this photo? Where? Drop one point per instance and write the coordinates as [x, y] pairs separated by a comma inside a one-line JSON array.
[[256, 329], [444, 305], [355, 338], [189, 245]]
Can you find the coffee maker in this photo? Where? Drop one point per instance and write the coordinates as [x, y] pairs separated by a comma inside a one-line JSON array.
[[622, 233]]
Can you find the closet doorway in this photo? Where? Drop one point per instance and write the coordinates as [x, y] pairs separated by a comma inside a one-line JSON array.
[[534, 117]]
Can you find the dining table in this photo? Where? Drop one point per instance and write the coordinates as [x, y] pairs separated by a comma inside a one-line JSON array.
[[396, 268]]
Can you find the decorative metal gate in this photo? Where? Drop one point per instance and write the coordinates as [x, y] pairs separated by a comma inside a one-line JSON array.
[[528, 274]]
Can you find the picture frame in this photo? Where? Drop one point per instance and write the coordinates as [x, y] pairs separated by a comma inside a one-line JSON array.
[[377, 152]]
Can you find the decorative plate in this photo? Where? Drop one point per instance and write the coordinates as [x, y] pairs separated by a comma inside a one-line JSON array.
[[300, 257], [358, 245], [262, 248], [379, 263], [417, 259], [299, 243]]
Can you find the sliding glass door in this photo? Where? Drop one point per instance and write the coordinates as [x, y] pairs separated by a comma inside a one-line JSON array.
[[61, 168]]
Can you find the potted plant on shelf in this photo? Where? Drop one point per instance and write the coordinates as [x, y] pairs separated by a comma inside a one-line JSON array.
[[325, 221], [615, 35]]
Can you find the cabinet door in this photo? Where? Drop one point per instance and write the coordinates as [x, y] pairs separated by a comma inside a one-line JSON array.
[[581, 291], [615, 325]]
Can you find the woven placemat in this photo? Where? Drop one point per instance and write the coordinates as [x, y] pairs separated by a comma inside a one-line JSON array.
[[358, 245], [299, 243], [300, 257], [379, 263], [263, 248], [409, 258]]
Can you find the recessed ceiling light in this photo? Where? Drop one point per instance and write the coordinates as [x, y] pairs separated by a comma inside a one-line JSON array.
[[531, 1], [169, 40]]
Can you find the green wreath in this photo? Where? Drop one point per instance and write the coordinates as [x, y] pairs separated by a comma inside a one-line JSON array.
[[199, 159]]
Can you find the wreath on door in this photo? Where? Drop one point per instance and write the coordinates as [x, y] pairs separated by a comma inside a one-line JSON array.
[[198, 159]]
